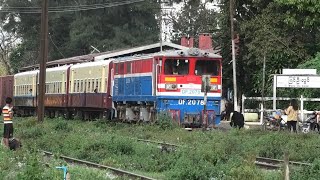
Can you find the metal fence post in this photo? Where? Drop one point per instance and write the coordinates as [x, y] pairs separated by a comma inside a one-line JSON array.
[[261, 113], [274, 92], [301, 106], [242, 103]]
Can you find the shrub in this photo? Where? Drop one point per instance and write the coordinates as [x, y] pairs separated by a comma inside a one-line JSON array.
[[165, 121], [32, 132], [63, 126]]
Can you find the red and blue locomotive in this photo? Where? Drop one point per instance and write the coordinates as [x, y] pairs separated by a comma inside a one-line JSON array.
[[168, 81], [130, 88]]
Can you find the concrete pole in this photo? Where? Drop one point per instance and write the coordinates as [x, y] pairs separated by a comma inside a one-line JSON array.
[[235, 98], [263, 78], [274, 92], [160, 19], [286, 166], [301, 108]]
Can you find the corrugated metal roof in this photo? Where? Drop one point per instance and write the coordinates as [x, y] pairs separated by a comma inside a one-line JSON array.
[[148, 49]]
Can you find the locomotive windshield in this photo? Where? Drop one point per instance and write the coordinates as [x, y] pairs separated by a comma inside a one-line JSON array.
[[176, 66], [208, 67]]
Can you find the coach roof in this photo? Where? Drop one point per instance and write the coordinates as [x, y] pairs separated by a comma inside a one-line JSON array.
[[90, 64], [27, 73]]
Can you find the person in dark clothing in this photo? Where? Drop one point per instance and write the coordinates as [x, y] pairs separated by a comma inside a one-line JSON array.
[[237, 120], [227, 111]]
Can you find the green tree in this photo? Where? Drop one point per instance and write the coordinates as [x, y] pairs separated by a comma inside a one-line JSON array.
[[194, 18], [264, 32], [73, 33]]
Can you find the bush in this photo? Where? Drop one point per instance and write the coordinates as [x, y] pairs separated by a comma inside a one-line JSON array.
[[32, 132], [191, 165], [63, 126], [307, 172], [165, 121]]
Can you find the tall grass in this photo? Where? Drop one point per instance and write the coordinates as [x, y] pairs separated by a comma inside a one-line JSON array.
[[202, 155]]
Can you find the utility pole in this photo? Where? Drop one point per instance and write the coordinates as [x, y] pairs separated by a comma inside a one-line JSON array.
[[235, 99], [43, 59], [205, 87], [263, 77], [160, 19]]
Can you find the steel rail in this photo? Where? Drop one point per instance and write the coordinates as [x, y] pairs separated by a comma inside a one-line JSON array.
[[100, 166], [157, 142], [270, 163]]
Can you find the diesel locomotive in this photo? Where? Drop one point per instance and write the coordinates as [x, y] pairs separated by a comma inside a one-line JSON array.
[[128, 88]]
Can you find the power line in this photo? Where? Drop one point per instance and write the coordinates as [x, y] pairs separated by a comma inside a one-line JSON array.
[[58, 9], [56, 46]]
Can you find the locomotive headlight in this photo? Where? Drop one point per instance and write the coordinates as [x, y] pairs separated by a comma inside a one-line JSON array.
[[171, 86], [213, 87]]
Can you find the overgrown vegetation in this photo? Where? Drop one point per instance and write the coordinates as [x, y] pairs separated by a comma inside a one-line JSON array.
[[203, 155], [27, 164]]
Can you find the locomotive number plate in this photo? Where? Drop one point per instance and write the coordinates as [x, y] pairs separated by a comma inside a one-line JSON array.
[[190, 91], [190, 102]]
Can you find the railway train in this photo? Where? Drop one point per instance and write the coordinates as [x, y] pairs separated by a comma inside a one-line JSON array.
[[130, 88]]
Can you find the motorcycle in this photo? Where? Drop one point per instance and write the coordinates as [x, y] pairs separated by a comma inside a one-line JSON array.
[[274, 122], [310, 124]]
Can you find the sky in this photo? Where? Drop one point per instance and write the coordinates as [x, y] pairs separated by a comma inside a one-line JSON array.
[[167, 10]]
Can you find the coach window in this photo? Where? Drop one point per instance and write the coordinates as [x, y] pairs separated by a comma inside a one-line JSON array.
[[74, 85], [81, 85], [121, 68], [47, 88], [50, 87], [209, 67], [96, 88], [176, 67], [116, 69], [92, 85], [129, 67]]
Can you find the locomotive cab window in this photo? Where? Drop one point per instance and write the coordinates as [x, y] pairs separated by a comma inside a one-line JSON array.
[[176, 66], [208, 67]]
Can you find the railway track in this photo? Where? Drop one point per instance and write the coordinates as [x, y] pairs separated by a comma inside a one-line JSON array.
[[159, 143], [116, 171], [269, 163]]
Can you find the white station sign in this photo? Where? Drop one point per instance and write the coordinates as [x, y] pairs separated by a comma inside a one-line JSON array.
[[295, 81]]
